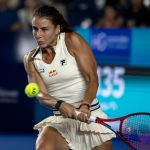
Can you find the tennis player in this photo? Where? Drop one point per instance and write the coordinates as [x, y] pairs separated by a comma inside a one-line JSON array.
[[64, 68]]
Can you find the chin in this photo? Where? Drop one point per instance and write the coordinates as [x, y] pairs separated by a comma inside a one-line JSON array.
[[42, 46]]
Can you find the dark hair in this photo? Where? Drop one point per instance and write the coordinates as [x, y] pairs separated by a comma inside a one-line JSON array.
[[54, 15]]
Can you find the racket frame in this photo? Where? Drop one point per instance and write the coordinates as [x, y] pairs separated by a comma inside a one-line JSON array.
[[121, 119]]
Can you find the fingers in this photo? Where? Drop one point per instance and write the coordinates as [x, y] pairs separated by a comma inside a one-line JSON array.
[[67, 110], [82, 116], [68, 115], [78, 115]]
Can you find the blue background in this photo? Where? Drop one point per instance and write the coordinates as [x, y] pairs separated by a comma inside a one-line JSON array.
[[140, 51], [136, 56]]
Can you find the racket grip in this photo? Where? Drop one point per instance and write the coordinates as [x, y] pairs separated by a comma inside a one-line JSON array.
[[91, 119]]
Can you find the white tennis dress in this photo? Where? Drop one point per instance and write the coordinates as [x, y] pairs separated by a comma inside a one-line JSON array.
[[65, 82]]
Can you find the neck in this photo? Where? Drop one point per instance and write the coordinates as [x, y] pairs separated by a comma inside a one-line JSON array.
[[51, 46], [49, 49], [54, 42]]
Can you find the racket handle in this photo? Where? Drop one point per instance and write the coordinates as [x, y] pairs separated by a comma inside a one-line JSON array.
[[91, 119]]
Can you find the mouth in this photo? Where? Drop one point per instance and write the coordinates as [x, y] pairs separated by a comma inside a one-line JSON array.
[[40, 42]]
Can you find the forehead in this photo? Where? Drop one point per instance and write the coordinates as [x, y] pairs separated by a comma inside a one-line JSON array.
[[41, 21]]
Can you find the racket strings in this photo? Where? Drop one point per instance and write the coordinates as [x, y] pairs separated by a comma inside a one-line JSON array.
[[136, 131]]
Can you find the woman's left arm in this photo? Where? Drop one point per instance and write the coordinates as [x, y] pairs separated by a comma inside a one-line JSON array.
[[87, 65]]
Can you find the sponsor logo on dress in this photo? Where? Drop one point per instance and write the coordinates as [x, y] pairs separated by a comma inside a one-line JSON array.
[[52, 73], [63, 62], [41, 70]]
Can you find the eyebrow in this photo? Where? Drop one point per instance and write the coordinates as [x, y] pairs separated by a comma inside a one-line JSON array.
[[35, 27], [44, 27]]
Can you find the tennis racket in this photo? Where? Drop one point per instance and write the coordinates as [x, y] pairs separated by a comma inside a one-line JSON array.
[[133, 129]]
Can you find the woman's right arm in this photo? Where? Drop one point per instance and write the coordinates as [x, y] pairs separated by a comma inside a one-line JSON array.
[[33, 76], [66, 109]]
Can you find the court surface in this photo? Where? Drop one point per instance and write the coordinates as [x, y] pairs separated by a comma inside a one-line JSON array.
[[26, 142]]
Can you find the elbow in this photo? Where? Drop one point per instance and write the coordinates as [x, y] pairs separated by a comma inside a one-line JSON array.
[[42, 97], [93, 80]]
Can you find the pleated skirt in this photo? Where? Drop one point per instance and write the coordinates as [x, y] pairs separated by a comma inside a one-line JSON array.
[[79, 135]]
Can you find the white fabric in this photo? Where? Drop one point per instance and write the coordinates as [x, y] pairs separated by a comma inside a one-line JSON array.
[[64, 81], [79, 135]]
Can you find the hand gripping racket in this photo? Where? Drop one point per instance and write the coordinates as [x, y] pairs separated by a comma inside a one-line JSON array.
[[133, 129]]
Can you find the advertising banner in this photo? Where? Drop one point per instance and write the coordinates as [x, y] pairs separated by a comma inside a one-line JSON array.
[[111, 46]]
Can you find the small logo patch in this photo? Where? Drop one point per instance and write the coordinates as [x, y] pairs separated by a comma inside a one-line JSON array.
[[52, 73], [63, 62], [41, 70]]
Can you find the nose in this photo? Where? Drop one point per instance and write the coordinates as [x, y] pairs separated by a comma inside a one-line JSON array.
[[38, 34]]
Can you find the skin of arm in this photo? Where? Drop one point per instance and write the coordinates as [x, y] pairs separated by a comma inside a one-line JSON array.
[[88, 67], [66, 109]]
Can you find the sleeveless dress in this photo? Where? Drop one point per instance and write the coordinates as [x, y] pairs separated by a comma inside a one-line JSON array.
[[65, 82]]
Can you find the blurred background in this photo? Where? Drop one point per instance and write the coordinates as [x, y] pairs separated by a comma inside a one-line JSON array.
[[118, 32]]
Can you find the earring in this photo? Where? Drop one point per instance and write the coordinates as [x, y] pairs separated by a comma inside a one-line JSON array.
[[59, 35], [59, 32]]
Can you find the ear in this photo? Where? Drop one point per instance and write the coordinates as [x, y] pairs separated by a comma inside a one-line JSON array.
[[58, 29]]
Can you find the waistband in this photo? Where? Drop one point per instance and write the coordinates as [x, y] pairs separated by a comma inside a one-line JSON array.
[[92, 108]]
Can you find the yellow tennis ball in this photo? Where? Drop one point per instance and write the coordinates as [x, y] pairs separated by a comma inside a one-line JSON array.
[[32, 89]]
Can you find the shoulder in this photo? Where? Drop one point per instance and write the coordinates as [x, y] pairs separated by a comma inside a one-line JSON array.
[[73, 37], [28, 60], [28, 56], [75, 40]]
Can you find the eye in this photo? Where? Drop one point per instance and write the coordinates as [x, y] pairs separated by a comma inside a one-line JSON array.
[[44, 29], [35, 28]]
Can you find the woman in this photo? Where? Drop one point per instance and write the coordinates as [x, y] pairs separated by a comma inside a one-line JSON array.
[[64, 68]]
